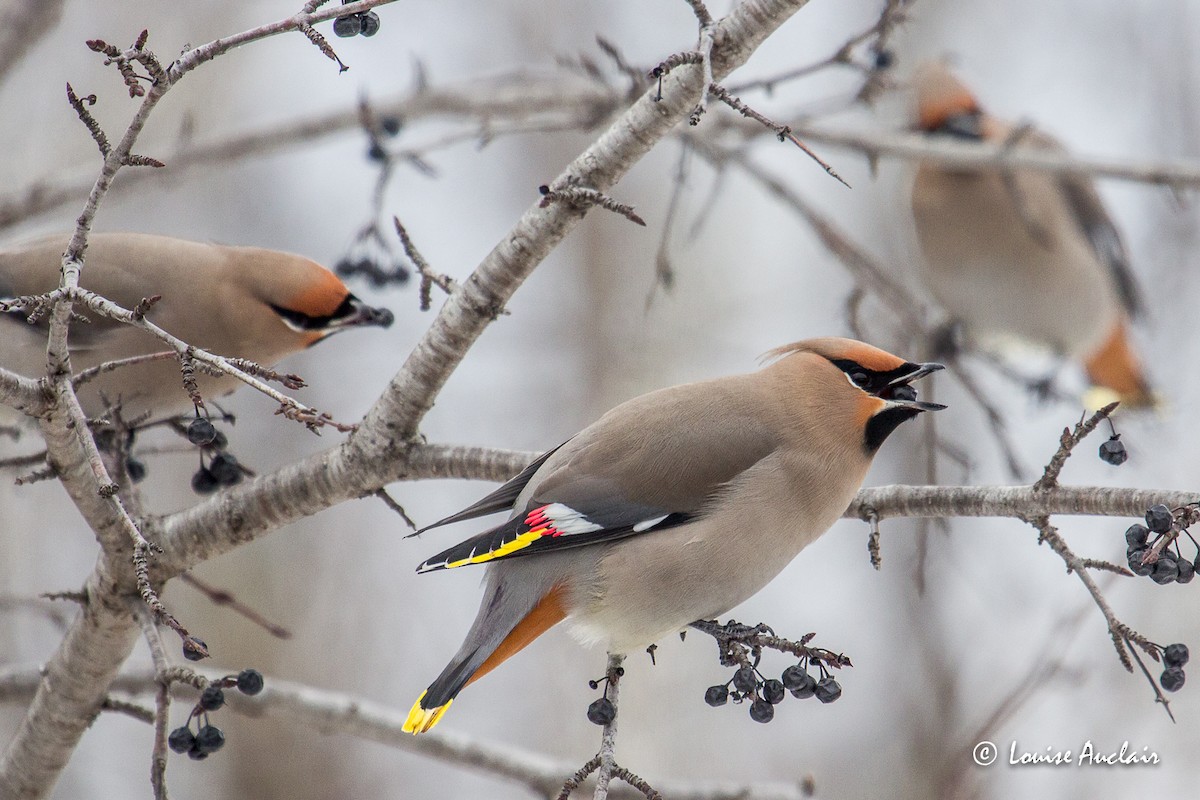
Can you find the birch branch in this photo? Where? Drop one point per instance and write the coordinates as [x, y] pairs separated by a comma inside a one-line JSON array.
[[333, 712]]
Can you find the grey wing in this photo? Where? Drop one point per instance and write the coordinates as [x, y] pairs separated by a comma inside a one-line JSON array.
[[616, 481], [500, 500], [1098, 227]]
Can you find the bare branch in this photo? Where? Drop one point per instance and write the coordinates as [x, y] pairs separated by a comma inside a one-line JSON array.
[[961, 153]]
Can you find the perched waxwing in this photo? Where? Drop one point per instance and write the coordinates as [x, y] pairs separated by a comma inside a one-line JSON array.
[[675, 506], [242, 302], [1024, 256]]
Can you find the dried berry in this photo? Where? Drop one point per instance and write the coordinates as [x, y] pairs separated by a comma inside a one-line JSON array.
[[828, 690], [1159, 518], [601, 712], [204, 482], [1136, 535], [1113, 451], [201, 432], [345, 27], [209, 739], [762, 711], [181, 740], [370, 23], [1175, 655], [1172, 679], [212, 698], [250, 681], [744, 680], [225, 469], [194, 649], [716, 695], [773, 691]]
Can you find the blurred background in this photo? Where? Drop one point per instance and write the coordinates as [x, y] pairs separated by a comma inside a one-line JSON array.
[[946, 645]]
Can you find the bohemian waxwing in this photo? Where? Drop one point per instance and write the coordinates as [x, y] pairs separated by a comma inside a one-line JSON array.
[[1032, 256], [233, 301], [675, 506]]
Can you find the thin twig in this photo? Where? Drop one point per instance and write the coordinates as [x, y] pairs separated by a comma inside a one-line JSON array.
[[608, 740], [1067, 442], [391, 503], [429, 277], [583, 197], [221, 597], [782, 132]]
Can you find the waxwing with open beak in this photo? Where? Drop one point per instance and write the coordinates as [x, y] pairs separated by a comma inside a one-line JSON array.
[[674, 506], [1021, 254], [243, 302]]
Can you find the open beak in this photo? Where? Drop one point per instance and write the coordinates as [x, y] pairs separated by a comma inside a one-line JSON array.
[[900, 394]]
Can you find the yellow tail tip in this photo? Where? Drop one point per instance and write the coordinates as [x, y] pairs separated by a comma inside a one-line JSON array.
[[422, 719]]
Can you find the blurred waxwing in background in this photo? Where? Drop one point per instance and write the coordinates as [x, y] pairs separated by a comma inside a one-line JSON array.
[[243, 302], [1030, 257], [675, 506]]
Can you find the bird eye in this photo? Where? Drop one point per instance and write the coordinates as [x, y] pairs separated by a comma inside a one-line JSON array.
[[860, 378]]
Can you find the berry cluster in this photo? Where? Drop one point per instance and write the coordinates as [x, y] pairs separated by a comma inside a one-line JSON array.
[[208, 738], [223, 468], [366, 24], [1154, 558], [1174, 656], [373, 269], [766, 693]]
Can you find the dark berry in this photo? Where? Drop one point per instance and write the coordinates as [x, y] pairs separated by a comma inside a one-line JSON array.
[[195, 754], [194, 649], [744, 680], [762, 711], [391, 125], [1165, 570], [828, 690], [225, 469], [601, 712], [1172, 679], [794, 677], [209, 739], [716, 695], [136, 470], [806, 689], [201, 432], [1175, 655], [250, 681], [370, 23], [1159, 518], [1114, 452], [212, 698], [376, 152], [1135, 535], [1135, 561], [204, 482], [221, 442], [346, 27], [181, 740], [773, 691], [1187, 571]]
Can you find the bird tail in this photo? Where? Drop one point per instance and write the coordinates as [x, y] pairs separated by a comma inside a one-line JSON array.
[[1115, 367], [489, 643]]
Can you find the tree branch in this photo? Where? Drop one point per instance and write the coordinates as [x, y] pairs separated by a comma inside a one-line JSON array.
[[961, 153], [365, 719]]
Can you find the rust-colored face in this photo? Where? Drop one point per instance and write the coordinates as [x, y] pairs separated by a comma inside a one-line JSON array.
[[941, 97]]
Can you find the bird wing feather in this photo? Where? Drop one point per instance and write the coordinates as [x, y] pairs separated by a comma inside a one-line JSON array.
[[616, 479]]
